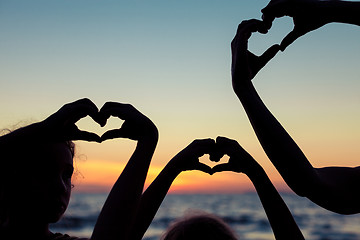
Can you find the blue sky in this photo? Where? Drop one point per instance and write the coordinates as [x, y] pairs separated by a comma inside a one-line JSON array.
[[171, 59]]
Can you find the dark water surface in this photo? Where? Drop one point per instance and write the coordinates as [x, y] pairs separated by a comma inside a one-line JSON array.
[[243, 212]]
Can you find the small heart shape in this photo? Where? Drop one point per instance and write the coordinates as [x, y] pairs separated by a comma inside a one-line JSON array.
[[212, 163], [98, 125]]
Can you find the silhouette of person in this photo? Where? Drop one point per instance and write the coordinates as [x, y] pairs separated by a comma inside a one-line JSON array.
[[309, 15], [207, 226], [333, 188], [37, 165]]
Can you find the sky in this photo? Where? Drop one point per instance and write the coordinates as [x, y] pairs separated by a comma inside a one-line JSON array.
[[171, 60]]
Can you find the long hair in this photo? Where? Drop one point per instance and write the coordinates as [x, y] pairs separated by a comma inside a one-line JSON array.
[[14, 158]]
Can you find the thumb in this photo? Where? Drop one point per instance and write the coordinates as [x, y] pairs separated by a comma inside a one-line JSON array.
[[221, 168], [204, 168], [289, 39], [269, 54], [86, 136], [111, 134]]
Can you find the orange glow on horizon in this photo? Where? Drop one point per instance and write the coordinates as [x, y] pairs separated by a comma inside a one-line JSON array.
[[99, 176]]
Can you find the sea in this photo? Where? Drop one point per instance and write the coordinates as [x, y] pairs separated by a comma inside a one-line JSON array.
[[243, 212]]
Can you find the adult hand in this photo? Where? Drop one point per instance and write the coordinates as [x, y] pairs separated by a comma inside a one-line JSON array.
[[239, 161], [136, 126], [188, 158], [245, 65], [307, 16], [61, 125]]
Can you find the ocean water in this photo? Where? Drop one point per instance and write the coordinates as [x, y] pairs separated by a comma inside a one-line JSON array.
[[243, 212]]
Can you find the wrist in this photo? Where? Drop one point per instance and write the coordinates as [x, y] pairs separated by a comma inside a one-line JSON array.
[[244, 89], [151, 136], [239, 84], [254, 171], [148, 142], [172, 168]]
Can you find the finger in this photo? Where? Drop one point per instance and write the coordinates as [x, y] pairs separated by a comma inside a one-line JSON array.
[[86, 136], [247, 27], [111, 107], [216, 155], [239, 44], [108, 109], [85, 107], [73, 112], [90, 109], [120, 110], [268, 20], [268, 55], [111, 134], [274, 9], [202, 146], [221, 168], [204, 168], [290, 38], [231, 147], [264, 27], [226, 145]]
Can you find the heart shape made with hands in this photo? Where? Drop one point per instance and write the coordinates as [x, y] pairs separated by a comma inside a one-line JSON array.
[[99, 126], [213, 159], [217, 158], [238, 159]]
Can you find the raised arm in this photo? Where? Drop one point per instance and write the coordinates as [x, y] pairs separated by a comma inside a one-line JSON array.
[[309, 15], [279, 216], [333, 188], [118, 213], [186, 160]]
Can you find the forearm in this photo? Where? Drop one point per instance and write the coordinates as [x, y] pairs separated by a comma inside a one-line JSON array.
[[280, 218], [152, 199], [281, 149], [117, 215], [340, 11]]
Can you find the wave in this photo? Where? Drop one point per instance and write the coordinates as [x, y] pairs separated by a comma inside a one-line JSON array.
[[243, 212]]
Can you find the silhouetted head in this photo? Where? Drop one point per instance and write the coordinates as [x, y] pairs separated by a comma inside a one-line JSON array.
[[197, 226], [35, 181]]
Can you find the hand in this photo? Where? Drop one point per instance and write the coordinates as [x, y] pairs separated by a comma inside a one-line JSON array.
[[306, 14], [245, 65], [239, 161], [62, 123], [136, 126], [188, 158]]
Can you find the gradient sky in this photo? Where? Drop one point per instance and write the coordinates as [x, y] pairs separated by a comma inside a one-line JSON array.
[[171, 60]]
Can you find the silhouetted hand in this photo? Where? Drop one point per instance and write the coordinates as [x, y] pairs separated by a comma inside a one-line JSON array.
[[188, 158], [306, 14], [239, 161], [61, 125], [136, 126], [245, 65]]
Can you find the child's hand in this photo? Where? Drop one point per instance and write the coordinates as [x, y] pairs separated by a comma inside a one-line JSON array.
[[188, 158], [136, 126], [239, 161], [61, 125]]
